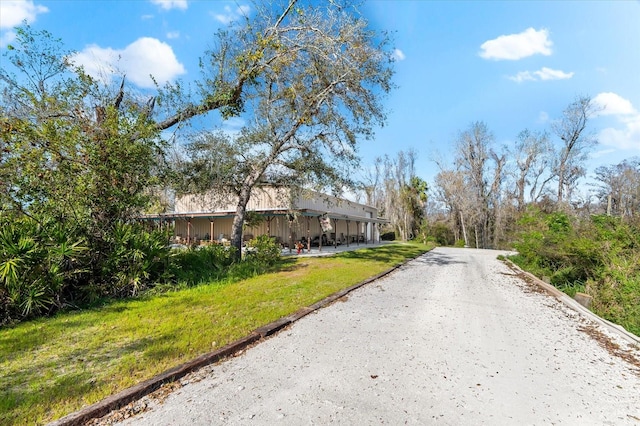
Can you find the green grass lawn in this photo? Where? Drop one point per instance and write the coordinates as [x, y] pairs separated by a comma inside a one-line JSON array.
[[52, 367]]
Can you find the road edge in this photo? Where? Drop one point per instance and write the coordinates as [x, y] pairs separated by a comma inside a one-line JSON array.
[[573, 304], [136, 392]]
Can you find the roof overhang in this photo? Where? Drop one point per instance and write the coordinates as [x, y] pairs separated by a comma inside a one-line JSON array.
[[231, 214]]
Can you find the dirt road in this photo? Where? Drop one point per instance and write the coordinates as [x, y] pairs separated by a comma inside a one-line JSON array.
[[453, 337]]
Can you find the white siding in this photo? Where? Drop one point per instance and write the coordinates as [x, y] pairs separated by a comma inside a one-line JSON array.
[[264, 198]]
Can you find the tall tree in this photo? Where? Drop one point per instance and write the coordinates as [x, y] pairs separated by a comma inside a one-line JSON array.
[[618, 188], [532, 154], [576, 143], [472, 157], [322, 79], [451, 189], [73, 150]]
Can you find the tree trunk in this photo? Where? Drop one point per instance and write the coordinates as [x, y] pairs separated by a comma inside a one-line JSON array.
[[238, 222], [464, 230], [476, 231]]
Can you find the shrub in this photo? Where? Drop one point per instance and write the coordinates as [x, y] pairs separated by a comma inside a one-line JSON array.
[[388, 236], [598, 255], [263, 249], [197, 265], [137, 259], [39, 262], [441, 234]]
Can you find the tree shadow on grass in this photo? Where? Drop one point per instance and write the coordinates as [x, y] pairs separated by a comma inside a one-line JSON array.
[[393, 253], [289, 265]]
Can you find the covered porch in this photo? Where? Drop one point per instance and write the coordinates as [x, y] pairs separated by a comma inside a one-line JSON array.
[[292, 229]]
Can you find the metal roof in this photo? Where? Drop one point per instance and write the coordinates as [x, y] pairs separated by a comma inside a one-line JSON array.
[[230, 214]]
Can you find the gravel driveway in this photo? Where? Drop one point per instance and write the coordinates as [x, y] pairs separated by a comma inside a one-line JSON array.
[[453, 337]]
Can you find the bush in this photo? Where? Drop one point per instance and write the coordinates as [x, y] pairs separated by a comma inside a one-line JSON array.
[[137, 259], [47, 264], [598, 255], [197, 265], [39, 263], [263, 249], [441, 234], [388, 236]]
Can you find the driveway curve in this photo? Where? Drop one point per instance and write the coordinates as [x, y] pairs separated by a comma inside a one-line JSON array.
[[453, 338]]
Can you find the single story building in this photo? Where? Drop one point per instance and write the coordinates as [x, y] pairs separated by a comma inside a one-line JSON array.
[[308, 217]]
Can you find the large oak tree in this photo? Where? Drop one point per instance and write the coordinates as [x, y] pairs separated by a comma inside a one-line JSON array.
[[322, 77]]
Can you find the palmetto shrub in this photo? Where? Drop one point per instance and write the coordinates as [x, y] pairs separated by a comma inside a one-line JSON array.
[[47, 264], [137, 259], [196, 265], [39, 260]]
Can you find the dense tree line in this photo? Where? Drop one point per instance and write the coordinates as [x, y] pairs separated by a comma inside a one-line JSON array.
[[393, 187], [488, 188]]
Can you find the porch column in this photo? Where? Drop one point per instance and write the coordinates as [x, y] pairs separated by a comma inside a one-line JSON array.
[[335, 232], [189, 231], [211, 228], [348, 238], [291, 242], [308, 234], [365, 233]]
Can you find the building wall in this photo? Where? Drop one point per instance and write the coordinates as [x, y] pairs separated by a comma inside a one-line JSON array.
[[262, 198], [270, 198]]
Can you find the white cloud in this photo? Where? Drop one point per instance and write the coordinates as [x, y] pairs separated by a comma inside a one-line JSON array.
[[231, 15], [543, 117], [6, 38], [173, 34], [399, 55], [548, 74], [517, 46], [542, 74], [13, 12], [142, 58], [613, 104], [171, 4], [626, 136], [602, 153], [522, 76]]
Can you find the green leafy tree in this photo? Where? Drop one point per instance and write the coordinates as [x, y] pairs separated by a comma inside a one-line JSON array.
[[322, 76], [73, 151]]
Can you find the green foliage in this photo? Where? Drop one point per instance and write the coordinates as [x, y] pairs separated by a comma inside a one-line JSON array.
[[598, 256], [77, 163], [198, 265], [459, 243], [39, 264], [137, 259], [441, 234], [253, 219], [264, 250], [388, 236]]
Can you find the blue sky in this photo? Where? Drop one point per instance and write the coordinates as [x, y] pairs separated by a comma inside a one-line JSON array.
[[513, 65]]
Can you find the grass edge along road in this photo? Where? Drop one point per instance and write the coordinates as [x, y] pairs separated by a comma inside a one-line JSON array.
[[54, 366]]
